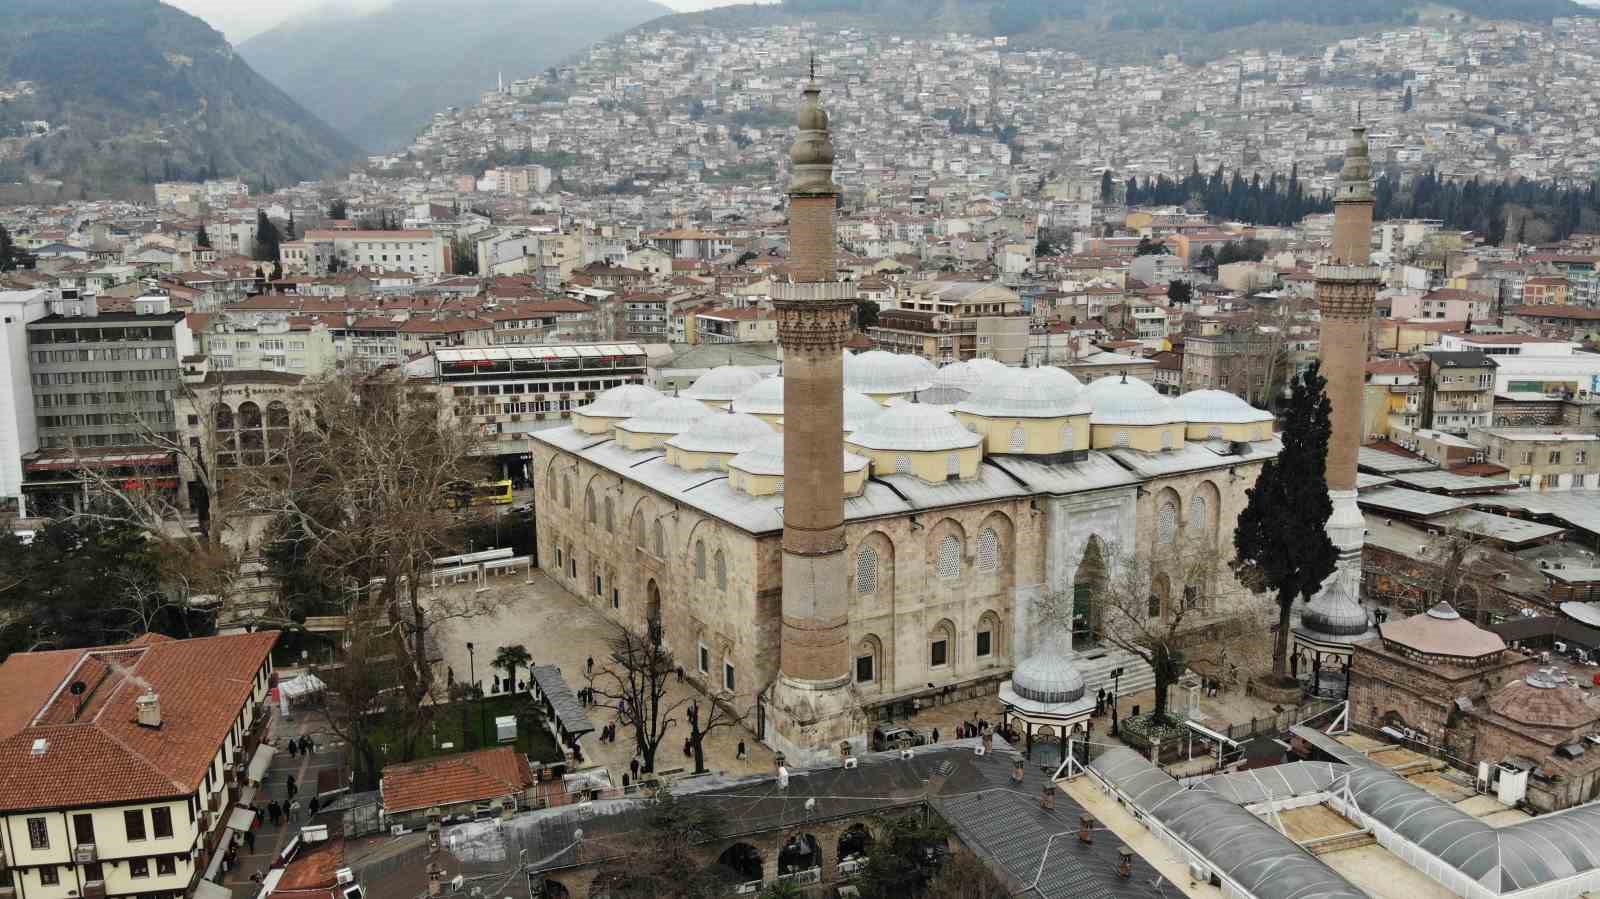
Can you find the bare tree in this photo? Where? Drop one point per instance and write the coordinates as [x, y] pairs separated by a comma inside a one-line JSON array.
[[637, 675], [143, 603], [1439, 571], [1172, 612], [721, 715], [358, 691], [363, 481]]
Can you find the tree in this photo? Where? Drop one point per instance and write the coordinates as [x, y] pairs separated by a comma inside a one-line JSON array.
[[12, 257], [866, 314], [1148, 247], [267, 238], [637, 675], [964, 876], [1407, 101], [1208, 262], [357, 706], [1281, 540], [658, 858], [337, 209], [362, 483], [289, 230], [721, 716], [510, 658], [1180, 292], [202, 239], [906, 854], [463, 257]]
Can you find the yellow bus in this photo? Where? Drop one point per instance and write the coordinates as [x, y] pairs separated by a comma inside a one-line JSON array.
[[483, 493]]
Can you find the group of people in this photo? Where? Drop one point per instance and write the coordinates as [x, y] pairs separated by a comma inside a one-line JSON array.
[[302, 745], [1103, 702]]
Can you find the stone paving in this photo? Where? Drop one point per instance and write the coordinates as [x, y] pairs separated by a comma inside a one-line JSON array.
[[270, 839]]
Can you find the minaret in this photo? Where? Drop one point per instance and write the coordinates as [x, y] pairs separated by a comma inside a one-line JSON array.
[[1347, 285], [813, 698]]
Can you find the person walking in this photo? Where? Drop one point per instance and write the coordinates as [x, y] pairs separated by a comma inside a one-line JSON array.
[[936, 735], [294, 811], [588, 666], [633, 765], [292, 786], [315, 804], [741, 753], [250, 841], [294, 748]]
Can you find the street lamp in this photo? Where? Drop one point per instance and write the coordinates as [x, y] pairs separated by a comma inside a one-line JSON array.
[[472, 673], [1116, 689]]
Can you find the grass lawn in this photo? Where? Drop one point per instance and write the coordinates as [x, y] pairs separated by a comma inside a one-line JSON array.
[[533, 740]]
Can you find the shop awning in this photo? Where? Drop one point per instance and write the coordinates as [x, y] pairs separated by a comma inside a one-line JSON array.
[[241, 819], [260, 762]]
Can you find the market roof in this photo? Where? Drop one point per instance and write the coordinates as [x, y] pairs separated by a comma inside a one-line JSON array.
[[1412, 503], [1576, 508], [454, 779], [1249, 851], [1452, 483], [1273, 783], [1384, 462], [1502, 528]]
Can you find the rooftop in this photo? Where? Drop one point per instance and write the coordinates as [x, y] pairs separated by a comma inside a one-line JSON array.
[[450, 780]]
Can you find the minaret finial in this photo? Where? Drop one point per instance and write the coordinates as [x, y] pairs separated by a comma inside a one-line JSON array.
[[1358, 112], [813, 65]]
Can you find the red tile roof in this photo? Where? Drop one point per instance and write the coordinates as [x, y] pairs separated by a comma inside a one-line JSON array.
[[313, 874], [99, 752], [469, 777]]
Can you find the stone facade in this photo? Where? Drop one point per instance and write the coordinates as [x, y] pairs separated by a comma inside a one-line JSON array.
[[1389, 690]]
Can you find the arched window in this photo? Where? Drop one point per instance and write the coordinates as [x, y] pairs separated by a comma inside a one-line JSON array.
[[227, 437], [952, 465], [658, 540], [1167, 523], [986, 636], [566, 491], [941, 644], [720, 563], [950, 557], [1019, 439], [610, 515], [588, 505], [1214, 432], [699, 560], [869, 653], [277, 428], [1158, 596], [866, 570], [1199, 514], [1067, 444], [988, 550], [252, 439], [638, 529]]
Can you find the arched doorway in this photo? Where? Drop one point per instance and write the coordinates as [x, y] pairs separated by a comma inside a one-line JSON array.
[[652, 605], [551, 889], [741, 862], [1085, 584], [799, 853], [855, 841]]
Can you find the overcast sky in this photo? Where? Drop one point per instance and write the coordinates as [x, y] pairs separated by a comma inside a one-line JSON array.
[[239, 19]]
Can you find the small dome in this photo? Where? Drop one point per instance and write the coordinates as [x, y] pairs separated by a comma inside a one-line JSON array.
[[859, 409], [915, 427], [668, 415], [722, 433], [766, 458], [957, 381], [1028, 393], [1336, 613], [880, 372], [1217, 407], [765, 397], [1048, 676], [620, 402], [723, 383], [1121, 400]]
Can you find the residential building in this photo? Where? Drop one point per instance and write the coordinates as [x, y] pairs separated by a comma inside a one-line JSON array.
[[1457, 391], [1545, 290], [120, 765], [419, 252], [1445, 304], [1543, 459], [19, 434], [366, 343], [1239, 360], [724, 325], [965, 320], [496, 781], [266, 342]]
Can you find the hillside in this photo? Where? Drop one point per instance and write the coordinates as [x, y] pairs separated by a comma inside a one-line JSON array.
[[380, 76], [1129, 30], [109, 96]]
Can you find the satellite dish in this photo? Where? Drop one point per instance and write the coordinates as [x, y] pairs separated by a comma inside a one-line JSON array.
[[77, 688]]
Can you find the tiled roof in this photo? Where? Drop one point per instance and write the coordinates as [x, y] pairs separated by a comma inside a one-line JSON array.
[[99, 752], [469, 777]]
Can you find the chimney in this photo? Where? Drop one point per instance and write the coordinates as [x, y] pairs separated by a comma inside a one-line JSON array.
[[149, 708]]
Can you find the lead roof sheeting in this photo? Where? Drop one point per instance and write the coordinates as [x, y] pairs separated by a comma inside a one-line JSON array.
[[1410, 502], [1498, 527], [1267, 864], [568, 709], [1384, 462], [1446, 480], [1579, 508], [1277, 782]]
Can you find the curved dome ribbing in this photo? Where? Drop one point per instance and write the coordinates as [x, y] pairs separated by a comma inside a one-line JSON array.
[[1217, 407], [1120, 400], [1027, 393], [668, 415], [879, 372], [723, 383], [914, 427], [766, 458], [724, 433], [620, 402]]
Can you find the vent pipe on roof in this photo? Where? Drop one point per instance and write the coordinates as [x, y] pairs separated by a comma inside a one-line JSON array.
[[149, 709]]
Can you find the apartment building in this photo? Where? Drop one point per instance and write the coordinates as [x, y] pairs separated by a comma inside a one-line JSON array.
[[1239, 360], [1457, 391], [267, 342], [105, 379], [1543, 459], [1545, 290], [368, 342], [419, 252], [119, 765], [952, 321], [19, 435], [723, 325]]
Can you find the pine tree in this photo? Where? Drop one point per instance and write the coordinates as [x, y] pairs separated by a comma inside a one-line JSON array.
[[267, 238], [202, 239], [1281, 540]]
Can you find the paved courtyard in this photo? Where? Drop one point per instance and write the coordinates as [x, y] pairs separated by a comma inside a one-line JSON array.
[[560, 629]]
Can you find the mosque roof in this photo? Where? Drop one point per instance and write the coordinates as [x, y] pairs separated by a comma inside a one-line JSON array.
[[1217, 407], [667, 415], [766, 398], [723, 383], [914, 427], [620, 402], [765, 457], [877, 371], [722, 433], [1121, 400], [1047, 392]]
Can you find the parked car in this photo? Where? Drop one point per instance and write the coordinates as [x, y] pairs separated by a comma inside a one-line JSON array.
[[894, 736]]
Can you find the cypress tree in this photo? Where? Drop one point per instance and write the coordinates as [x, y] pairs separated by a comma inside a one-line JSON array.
[[1281, 541]]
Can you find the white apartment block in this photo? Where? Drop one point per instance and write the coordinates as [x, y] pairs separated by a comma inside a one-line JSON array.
[[18, 431], [418, 252]]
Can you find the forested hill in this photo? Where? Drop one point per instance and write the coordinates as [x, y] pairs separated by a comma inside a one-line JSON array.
[[1134, 30], [110, 96]]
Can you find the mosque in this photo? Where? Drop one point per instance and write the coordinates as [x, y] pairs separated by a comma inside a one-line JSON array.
[[825, 598]]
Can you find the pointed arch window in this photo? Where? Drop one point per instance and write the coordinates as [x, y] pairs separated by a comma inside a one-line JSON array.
[[1019, 439], [950, 558], [720, 565], [866, 570], [988, 550], [699, 560]]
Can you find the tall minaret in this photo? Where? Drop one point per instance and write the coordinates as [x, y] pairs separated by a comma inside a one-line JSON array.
[[1347, 285], [811, 701]]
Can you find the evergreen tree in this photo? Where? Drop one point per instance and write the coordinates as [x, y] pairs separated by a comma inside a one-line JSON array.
[[1148, 247], [202, 239], [289, 232], [1179, 292], [1281, 540], [1407, 101], [337, 209], [1106, 191], [267, 238]]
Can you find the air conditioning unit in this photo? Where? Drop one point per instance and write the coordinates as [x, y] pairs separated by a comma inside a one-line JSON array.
[[1199, 873], [851, 763], [85, 854], [344, 876]]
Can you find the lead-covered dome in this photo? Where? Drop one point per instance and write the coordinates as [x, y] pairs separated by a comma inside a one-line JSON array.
[[667, 415], [879, 373], [722, 384], [766, 398], [726, 433], [1121, 400], [859, 410], [1049, 677], [765, 457], [915, 427], [1217, 407], [620, 402], [1027, 393]]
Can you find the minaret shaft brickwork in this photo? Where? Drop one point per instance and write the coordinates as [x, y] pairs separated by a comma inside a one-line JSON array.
[[812, 700]]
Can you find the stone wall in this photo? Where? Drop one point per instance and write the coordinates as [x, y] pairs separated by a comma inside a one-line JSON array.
[[1391, 579], [1383, 685]]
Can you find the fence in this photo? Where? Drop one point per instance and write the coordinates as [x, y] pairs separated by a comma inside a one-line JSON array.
[[1280, 722]]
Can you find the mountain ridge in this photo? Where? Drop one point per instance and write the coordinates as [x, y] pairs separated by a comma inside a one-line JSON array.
[[135, 91], [431, 54]]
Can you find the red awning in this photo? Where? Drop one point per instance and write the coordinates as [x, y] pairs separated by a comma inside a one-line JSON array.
[[120, 460]]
